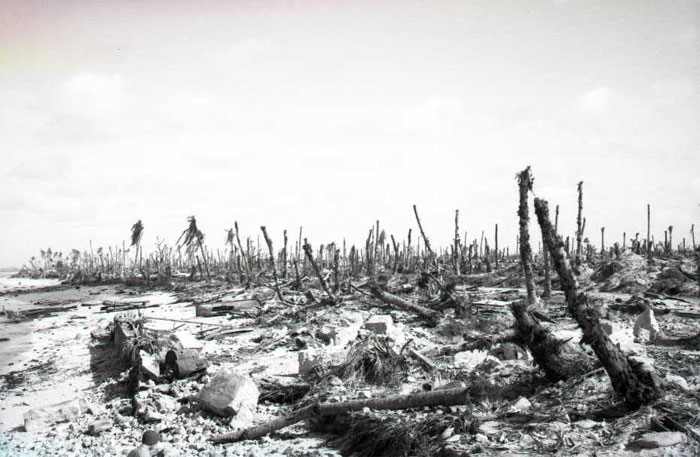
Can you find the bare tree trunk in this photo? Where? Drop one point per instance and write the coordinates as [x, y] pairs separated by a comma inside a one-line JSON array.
[[428, 314], [630, 379], [697, 266], [579, 224], [284, 256], [246, 260], [324, 285], [525, 185], [425, 238], [496, 242], [204, 258], [649, 242], [446, 397], [396, 254], [272, 262], [455, 254], [547, 292]]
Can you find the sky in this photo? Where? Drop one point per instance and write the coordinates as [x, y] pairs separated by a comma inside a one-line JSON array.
[[330, 115]]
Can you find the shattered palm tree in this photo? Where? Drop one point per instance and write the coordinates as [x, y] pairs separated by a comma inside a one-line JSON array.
[[193, 239], [630, 379]]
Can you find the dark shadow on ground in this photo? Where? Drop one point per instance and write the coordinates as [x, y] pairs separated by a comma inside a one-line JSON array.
[[106, 367]]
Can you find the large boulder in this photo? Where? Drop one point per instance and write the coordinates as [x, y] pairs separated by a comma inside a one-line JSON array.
[[228, 393]]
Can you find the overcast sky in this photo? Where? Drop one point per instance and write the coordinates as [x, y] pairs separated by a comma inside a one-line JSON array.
[[331, 115]]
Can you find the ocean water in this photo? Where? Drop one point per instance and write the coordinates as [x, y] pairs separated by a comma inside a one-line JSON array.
[[20, 335]]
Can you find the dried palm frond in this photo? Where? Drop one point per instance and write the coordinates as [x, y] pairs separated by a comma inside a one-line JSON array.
[[191, 233], [373, 360], [392, 434]]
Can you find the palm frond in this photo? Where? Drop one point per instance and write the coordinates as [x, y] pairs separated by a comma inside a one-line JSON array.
[[136, 232]]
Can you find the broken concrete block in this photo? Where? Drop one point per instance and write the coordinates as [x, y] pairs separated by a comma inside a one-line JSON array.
[[658, 439], [185, 362], [521, 405], [40, 418], [646, 321], [204, 311], [242, 420], [99, 426], [228, 393], [149, 366], [380, 324]]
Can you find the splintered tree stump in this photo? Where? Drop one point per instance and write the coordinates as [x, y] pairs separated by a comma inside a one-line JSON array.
[[630, 379], [558, 359]]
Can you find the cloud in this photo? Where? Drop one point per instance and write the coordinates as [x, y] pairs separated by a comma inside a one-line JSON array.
[[243, 51], [595, 102], [89, 95]]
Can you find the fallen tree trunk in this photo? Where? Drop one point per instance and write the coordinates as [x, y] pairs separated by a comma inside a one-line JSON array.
[[630, 379], [477, 341], [431, 316], [446, 397]]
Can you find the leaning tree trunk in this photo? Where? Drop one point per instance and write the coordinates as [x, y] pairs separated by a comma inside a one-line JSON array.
[[547, 291], [630, 379], [525, 185], [324, 285]]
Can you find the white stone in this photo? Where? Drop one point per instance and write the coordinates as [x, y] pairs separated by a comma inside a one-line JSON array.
[[521, 405], [228, 393], [149, 365], [658, 439], [646, 321]]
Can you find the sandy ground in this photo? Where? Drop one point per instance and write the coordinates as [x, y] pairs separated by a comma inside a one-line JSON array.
[[54, 358]]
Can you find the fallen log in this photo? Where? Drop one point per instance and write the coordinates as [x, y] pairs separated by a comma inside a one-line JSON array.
[[431, 316], [447, 397], [630, 379]]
